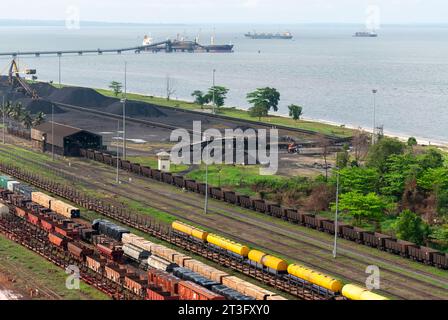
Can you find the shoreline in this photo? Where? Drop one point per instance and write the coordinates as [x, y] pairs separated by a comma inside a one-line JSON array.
[[400, 136]]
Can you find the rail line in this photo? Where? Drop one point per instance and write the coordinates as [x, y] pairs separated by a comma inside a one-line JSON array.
[[163, 232], [157, 203]]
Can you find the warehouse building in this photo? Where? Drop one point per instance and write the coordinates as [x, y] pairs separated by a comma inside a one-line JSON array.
[[67, 140]]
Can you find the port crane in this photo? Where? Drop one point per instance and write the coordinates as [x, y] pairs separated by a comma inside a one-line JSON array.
[[17, 82]]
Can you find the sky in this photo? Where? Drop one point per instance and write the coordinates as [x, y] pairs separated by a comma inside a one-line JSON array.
[[229, 11]]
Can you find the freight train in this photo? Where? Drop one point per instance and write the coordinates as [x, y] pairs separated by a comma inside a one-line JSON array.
[[106, 248], [319, 282], [377, 240], [29, 193]]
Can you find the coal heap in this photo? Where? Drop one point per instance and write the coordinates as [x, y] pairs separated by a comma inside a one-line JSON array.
[[83, 97], [135, 109]]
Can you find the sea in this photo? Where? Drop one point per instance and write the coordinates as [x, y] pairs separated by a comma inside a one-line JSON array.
[[324, 68]]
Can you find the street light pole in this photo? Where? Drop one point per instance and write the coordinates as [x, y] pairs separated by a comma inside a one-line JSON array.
[[374, 91], [206, 182], [118, 150], [336, 217], [124, 110], [3, 114], [214, 102]]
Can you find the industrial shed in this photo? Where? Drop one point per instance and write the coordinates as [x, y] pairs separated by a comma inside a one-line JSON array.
[[67, 140]]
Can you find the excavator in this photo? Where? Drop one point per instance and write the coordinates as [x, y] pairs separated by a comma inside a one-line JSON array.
[[16, 81]]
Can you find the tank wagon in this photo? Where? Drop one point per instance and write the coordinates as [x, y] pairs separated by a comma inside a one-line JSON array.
[[319, 282]]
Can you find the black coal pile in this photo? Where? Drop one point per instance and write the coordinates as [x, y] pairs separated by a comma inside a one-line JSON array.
[[36, 106], [83, 97], [43, 89], [135, 109]]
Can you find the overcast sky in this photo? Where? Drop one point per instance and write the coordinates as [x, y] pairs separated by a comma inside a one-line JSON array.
[[227, 11]]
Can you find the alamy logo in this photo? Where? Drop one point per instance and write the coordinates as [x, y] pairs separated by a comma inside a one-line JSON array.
[[72, 18], [247, 147], [373, 280], [72, 281]]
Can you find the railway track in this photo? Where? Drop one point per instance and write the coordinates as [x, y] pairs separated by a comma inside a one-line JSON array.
[[163, 232], [36, 240], [392, 273]]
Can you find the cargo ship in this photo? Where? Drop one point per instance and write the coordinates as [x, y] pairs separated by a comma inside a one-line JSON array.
[[366, 34], [283, 36], [183, 45]]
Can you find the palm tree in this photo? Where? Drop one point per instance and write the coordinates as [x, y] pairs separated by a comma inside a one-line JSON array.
[[26, 119], [17, 111], [39, 119]]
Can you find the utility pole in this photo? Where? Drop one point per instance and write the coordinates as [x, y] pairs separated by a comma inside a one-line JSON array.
[[118, 150], [214, 103], [374, 91], [124, 109], [336, 217], [3, 114], [206, 179]]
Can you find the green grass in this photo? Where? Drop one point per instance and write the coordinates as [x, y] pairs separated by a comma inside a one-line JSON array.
[[44, 272], [240, 114]]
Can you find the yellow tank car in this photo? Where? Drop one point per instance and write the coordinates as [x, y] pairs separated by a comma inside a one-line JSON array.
[[256, 256], [275, 263], [353, 292], [189, 230], [228, 245], [315, 277]]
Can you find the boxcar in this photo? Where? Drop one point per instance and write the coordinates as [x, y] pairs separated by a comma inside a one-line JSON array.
[[230, 197], [440, 260], [167, 177], [146, 171], [278, 211], [261, 206], [375, 240], [217, 193], [353, 233], [191, 185], [400, 247], [179, 181], [421, 254]]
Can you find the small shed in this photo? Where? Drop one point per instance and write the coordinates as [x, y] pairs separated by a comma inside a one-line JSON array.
[[66, 140]]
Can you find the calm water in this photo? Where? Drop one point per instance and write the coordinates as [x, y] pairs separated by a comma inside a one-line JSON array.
[[324, 69]]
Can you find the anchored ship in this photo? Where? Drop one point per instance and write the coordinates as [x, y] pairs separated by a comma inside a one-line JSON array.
[[183, 45], [283, 36], [366, 34]]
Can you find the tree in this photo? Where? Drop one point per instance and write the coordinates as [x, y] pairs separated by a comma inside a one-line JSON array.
[[200, 98], [382, 150], [295, 111], [169, 88], [412, 141], [363, 207], [258, 111], [217, 95], [432, 158], [361, 143], [39, 119], [434, 179], [342, 159], [26, 119], [357, 179], [116, 87], [263, 100], [411, 227], [398, 169]]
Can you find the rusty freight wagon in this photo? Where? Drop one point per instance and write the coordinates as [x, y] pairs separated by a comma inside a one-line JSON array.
[[277, 211], [422, 254], [157, 294], [108, 159], [179, 181], [375, 240], [261, 205], [146, 171], [156, 174], [57, 240], [440, 260], [230, 197], [202, 187], [96, 263], [136, 168], [246, 201], [329, 226], [398, 246], [79, 251], [167, 177], [136, 283], [98, 156], [191, 185], [115, 272], [353, 233], [191, 291], [125, 165], [217, 193]]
